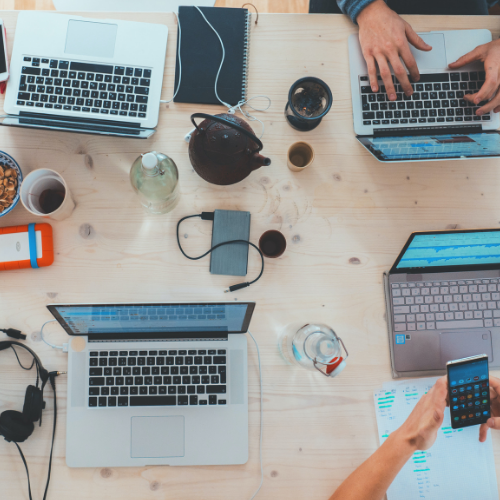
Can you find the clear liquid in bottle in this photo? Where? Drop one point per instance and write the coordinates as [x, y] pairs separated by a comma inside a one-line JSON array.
[[155, 178]]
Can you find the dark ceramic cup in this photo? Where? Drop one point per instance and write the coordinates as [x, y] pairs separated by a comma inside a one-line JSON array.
[[272, 244]]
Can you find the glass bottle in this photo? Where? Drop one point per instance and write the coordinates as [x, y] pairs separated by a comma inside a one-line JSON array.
[[155, 178]]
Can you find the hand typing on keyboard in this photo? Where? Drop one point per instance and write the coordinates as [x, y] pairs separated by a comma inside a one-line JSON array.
[[384, 38], [489, 54]]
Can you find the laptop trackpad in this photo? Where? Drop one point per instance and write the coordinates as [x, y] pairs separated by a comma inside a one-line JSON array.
[[435, 58], [464, 343], [157, 437], [86, 38]]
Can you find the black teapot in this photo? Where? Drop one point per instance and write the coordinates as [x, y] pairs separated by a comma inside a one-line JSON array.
[[223, 149]]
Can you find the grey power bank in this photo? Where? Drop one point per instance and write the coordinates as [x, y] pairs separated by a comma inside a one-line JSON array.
[[230, 259]]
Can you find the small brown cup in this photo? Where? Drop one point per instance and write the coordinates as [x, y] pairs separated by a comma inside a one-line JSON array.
[[272, 244], [300, 155]]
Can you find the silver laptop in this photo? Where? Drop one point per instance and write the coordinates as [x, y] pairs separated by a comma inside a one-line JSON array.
[[436, 122], [156, 384], [443, 300], [98, 76]]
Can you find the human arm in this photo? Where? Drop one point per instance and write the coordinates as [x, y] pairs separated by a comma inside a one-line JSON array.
[[494, 421], [373, 477], [489, 55], [384, 37]]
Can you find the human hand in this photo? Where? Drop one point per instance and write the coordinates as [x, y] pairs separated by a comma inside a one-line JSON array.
[[489, 55], [494, 421], [421, 427], [384, 38]]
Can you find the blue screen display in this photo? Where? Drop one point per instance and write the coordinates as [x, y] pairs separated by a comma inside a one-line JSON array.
[[436, 146], [452, 249], [469, 393], [158, 318]]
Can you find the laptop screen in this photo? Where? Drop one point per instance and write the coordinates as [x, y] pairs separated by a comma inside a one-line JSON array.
[[126, 320], [424, 147], [444, 250]]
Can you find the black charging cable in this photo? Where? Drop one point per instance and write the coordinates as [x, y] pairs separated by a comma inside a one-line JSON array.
[[14, 334], [210, 216]]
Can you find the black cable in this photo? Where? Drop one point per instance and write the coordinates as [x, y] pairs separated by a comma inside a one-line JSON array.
[[19, 361], [52, 376], [26, 467], [210, 216]]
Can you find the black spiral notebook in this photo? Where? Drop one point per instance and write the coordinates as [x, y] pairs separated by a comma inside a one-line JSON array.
[[201, 54]]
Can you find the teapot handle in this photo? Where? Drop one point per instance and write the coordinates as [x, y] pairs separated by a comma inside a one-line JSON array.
[[230, 124]]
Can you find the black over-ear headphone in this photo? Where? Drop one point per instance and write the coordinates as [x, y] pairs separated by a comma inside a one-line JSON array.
[[18, 426]]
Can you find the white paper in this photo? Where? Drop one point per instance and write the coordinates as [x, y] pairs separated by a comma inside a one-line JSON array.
[[456, 467]]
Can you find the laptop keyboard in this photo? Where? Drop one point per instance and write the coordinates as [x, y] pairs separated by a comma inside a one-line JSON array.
[[445, 304], [157, 378], [84, 87], [437, 98]]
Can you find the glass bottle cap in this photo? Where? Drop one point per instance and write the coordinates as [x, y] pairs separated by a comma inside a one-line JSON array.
[[149, 160]]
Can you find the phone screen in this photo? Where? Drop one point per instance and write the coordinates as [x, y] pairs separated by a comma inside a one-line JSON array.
[[3, 62], [469, 392]]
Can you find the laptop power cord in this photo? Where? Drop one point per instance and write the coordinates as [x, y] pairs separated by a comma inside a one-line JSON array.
[[210, 216]]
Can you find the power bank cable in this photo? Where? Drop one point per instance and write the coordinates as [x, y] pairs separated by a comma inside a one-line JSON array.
[[210, 216]]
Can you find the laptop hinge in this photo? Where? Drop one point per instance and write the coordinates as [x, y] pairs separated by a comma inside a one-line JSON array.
[[405, 131], [157, 337], [80, 120]]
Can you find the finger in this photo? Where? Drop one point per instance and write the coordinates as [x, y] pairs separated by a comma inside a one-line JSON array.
[[386, 77], [489, 87], [488, 106], [372, 72], [473, 55], [493, 423], [410, 63], [494, 381], [497, 109], [483, 432], [415, 40], [401, 75]]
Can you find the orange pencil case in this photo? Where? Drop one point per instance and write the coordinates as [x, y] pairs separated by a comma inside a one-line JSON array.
[[26, 246]]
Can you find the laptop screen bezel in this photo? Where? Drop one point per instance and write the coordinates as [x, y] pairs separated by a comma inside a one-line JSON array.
[[152, 335], [365, 141], [441, 269]]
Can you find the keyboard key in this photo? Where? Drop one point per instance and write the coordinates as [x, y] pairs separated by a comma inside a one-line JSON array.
[[216, 389], [147, 73], [93, 401]]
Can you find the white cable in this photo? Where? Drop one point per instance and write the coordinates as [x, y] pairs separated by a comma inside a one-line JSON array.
[[261, 419], [241, 103], [231, 109], [179, 55], [63, 347]]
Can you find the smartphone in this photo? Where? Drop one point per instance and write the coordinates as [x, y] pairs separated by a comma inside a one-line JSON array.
[[469, 391]]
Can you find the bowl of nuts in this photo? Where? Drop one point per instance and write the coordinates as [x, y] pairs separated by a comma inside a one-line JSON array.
[[10, 182]]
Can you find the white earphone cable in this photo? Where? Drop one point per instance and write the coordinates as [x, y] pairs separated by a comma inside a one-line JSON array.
[[261, 419], [231, 109]]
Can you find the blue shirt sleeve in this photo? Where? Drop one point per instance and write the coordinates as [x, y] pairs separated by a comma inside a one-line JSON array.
[[352, 8]]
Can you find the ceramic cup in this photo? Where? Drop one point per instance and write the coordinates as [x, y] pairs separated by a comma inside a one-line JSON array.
[[300, 156], [272, 244], [45, 193]]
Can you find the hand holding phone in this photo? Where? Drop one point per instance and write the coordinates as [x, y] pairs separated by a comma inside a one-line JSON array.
[[494, 420], [469, 391]]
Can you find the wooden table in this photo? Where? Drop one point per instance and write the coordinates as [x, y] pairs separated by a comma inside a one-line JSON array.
[[345, 220]]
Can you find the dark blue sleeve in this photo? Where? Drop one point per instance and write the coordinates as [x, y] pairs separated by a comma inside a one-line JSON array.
[[352, 8]]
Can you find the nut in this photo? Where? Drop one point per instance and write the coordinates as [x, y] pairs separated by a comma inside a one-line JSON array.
[[2, 172], [8, 172]]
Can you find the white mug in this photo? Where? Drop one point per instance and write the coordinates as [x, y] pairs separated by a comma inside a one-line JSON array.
[[38, 181]]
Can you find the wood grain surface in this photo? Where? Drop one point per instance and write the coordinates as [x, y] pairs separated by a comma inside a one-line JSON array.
[[345, 219]]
